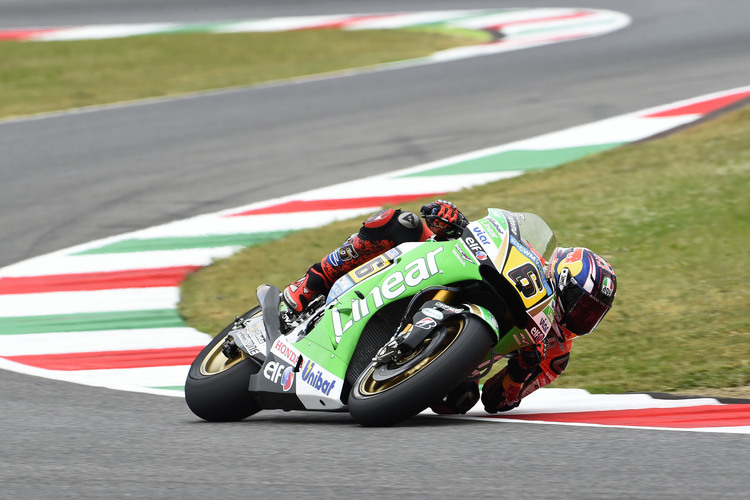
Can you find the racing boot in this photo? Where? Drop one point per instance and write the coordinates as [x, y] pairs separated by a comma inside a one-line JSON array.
[[501, 392], [298, 295], [504, 390]]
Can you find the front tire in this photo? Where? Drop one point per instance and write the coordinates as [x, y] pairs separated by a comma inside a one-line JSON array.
[[388, 393], [216, 388]]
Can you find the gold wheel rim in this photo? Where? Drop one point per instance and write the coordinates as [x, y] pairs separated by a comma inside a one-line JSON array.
[[216, 362], [370, 387]]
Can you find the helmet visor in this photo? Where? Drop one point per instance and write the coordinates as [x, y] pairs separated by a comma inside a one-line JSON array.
[[581, 311]]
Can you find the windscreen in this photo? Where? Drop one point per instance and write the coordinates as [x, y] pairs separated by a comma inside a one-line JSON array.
[[537, 233]]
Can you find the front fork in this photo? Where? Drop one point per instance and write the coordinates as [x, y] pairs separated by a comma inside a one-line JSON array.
[[485, 315], [441, 296], [432, 312]]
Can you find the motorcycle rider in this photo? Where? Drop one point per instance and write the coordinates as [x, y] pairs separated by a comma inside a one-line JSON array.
[[585, 284]]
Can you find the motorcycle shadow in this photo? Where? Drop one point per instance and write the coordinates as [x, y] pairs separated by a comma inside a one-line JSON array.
[[343, 419]]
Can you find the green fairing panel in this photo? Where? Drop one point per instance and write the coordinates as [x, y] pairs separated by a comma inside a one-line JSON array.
[[420, 266], [486, 316], [508, 341], [515, 339]]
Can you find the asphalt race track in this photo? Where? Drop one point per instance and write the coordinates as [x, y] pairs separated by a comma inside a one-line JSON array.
[[72, 178]]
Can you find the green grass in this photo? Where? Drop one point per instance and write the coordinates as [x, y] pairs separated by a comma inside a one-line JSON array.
[[673, 218], [38, 77]]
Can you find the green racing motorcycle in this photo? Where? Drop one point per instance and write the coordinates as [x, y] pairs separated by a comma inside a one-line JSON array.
[[393, 336]]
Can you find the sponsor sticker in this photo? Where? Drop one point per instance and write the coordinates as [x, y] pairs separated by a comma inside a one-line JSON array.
[[342, 285], [500, 228], [490, 229], [251, 337], [461, 255], [481, 235], [315, 378], [287, 379], [536, 334], [446, 307], [279, 373], [432, 313], [473, 245], [480, 244], [392, 253], [512, 224], [283, 350], [426, 324], [458, 258]]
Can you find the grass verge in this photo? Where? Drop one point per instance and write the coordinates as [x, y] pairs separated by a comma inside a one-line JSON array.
[[671, 215], [49, 76]]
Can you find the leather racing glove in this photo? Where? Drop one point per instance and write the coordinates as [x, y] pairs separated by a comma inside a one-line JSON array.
[[444, 219]]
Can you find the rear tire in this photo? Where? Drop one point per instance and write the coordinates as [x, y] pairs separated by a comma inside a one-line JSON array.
[[390, 393], [216, 388]]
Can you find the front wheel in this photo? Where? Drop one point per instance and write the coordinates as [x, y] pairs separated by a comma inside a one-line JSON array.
[[390, 392], [216, 388]]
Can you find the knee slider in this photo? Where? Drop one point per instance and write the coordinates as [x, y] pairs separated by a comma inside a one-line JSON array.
[[559, 364], [379, 219], [392, 225]]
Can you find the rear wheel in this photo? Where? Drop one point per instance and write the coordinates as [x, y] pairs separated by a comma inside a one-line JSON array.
[[216, 388], [387, 393]]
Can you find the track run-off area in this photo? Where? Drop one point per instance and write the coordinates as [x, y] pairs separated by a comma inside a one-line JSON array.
[[511, 29], [111, 305]]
